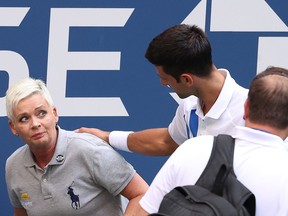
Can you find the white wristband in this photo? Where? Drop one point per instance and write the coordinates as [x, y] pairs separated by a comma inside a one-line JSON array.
[[118, 139]]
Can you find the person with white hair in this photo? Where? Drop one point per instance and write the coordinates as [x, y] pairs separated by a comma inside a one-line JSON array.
[[60, 172]]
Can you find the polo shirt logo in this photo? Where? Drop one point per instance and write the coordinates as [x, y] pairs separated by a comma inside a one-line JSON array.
[[75, 201], [25, 200]]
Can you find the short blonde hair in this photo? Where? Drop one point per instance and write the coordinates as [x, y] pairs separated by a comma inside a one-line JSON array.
[[24, 89]]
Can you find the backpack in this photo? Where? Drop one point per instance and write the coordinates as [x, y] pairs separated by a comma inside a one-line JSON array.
[[216, 192]]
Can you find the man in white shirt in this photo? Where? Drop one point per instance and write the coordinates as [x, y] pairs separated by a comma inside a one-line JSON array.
[[213, 103], [260, 156]]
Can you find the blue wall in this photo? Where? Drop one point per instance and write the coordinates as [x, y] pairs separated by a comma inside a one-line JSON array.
[[85, 55]]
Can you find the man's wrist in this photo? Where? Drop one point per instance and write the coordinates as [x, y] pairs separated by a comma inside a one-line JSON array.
[[118, 139]]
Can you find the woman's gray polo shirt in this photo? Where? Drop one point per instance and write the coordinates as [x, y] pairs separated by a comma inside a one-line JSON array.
[[84, 177]]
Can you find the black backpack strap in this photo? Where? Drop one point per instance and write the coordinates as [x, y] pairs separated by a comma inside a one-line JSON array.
[[224, 148], [219, 164], [219, 177]]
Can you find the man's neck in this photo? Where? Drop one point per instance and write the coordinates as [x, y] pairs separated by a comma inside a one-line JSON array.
[[210, 89]]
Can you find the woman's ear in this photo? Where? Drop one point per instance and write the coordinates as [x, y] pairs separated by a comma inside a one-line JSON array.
[[12, 127], [55, 114]]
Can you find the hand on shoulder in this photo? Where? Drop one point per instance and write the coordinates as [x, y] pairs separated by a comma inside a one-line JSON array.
[[95, 131]]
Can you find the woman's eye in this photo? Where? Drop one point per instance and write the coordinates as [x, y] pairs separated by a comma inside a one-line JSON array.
[[23, 119], [42, 113]]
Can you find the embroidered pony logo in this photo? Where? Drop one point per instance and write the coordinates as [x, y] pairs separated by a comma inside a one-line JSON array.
[[75, 202]]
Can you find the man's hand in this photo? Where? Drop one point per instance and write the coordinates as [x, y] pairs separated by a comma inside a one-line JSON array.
[[97, 132]]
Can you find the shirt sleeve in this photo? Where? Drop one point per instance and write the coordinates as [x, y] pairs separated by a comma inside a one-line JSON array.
[[9, 179], [110, 169], [184, 167], [179, 127], [160, 186]]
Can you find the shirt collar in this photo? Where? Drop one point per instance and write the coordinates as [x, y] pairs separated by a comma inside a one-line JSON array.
[[61, 146], [59, 154], [259, 137], [223, 99]]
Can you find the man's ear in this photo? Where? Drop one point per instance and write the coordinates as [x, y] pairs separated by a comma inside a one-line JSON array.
[[246, 109], [12, 127], [186, 78]]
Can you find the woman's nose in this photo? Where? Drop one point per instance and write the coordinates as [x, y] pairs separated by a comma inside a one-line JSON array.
[[35, 123]]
